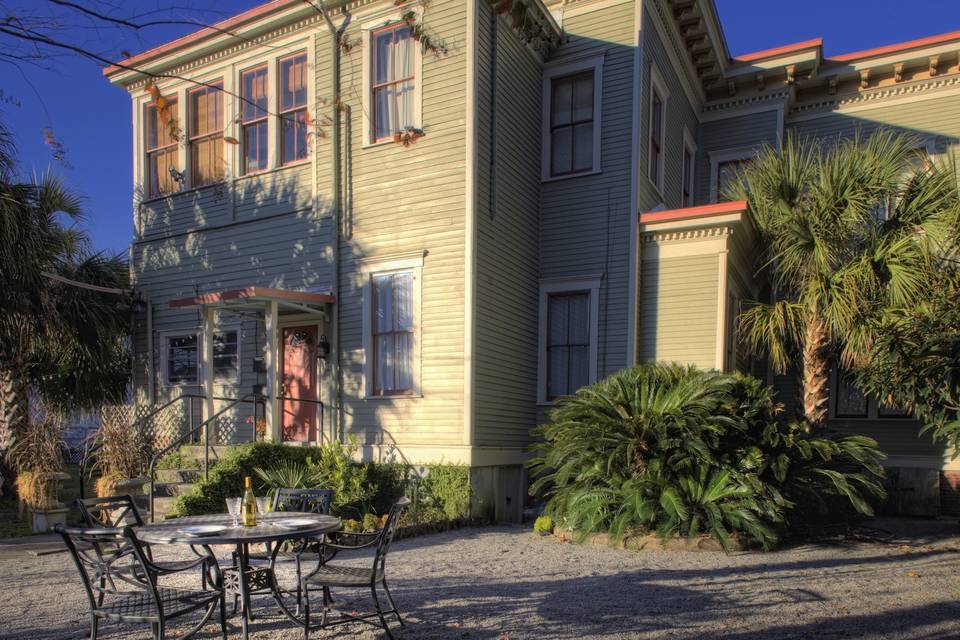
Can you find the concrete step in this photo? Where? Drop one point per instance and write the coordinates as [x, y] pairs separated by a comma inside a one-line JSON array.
[[174, 489], [179, 475]]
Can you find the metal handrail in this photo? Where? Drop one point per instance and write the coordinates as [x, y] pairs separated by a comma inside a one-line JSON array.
[[203, 426]]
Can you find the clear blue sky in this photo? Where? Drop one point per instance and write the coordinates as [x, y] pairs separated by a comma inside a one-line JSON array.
[[92, 118]]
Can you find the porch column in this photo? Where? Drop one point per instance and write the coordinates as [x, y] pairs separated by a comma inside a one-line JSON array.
[[271, 360], [206, 360]]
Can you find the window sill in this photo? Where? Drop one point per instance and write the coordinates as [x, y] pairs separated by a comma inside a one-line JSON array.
[[262, 172], [411, 396], [378, 143], [568, 176]]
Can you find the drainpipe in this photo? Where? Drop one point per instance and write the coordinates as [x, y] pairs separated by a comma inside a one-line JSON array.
[[335, 144]]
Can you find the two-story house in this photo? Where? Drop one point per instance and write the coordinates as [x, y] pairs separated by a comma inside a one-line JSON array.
[[419, 223]]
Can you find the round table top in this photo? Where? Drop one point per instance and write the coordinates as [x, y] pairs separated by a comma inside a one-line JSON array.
[[167, 532]]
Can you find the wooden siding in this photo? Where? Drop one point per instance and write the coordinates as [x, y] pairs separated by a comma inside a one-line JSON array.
[[507, 217], [750, 131], [679, 114], [402, 200], [585, 221], [678, 309]]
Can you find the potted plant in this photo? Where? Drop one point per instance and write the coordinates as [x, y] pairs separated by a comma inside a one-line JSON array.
[[123, 453], [37, 458]]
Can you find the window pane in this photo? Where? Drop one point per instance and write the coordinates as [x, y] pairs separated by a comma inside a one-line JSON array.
[[225, 355], [382, 46], [158, 171], [579, 368], [383, 300], [558, 368], [403, 54], [561, 151], [656, 117], [557, 320], [382, 127], [254, 88], [403, 301], [404, 361], [851, 402], [153, 125], [727, 173], [255, 146], [293, 82], [579, 332], [583, 147], [294, 136], [384, 362], [206, 158], [182, 359], [583, 97], [206, 110], [561, 102]]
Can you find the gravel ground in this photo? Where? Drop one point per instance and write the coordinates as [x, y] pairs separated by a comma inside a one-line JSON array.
[[504, 583]]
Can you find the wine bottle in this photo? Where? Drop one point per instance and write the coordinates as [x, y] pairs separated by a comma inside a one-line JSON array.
[[248, 509]]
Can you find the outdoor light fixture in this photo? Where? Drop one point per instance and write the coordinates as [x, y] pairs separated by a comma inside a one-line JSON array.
[[323, 347]]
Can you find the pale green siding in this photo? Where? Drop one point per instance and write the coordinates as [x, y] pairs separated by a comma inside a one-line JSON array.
[[745, 132], [507, 217], [678, 309]]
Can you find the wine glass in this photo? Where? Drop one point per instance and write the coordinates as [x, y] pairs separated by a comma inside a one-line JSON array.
[[233, 508], [263, 505]]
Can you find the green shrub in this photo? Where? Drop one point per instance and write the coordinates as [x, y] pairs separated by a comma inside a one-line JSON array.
[[543, 524], [370, 522], [681, 451], [447, 488]]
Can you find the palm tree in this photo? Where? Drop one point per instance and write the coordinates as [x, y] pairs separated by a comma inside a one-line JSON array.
[[66, 343], [845, 231]]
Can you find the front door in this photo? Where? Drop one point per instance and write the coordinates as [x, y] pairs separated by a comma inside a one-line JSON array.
[[299, 384]]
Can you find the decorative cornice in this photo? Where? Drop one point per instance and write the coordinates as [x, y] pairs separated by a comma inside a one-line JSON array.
[[751, 100], [833, 102], [686, 235]]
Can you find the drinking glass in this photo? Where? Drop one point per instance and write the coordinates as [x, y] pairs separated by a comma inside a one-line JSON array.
[[263, 505], [233, 508]]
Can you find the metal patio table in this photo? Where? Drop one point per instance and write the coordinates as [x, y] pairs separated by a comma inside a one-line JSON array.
[[242, 537]]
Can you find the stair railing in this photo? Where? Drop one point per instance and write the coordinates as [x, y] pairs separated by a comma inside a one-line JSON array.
[[204, 428]]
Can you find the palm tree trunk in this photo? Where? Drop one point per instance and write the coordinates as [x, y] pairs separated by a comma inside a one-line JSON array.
[[816, 373], [14, 408]]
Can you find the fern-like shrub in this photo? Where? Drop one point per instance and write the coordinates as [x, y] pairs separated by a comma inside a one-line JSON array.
[[681, 451]]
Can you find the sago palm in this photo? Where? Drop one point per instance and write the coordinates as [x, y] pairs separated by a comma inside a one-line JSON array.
[[839, 232], [66, 343]]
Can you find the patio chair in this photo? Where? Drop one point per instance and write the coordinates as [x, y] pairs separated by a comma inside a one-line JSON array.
[[116, 512], [289, 499], [121, 582], [328, 575]]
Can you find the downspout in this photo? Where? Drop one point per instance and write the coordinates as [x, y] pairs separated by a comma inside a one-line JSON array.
[[335, 143]]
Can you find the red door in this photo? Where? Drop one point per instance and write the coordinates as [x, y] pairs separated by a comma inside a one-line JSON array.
[[299, 384]]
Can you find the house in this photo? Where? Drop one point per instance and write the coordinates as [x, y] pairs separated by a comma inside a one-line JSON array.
[[421, 232]]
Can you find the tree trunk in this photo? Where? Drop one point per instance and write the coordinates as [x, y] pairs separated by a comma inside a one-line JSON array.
[[14, 408], [816, 373]]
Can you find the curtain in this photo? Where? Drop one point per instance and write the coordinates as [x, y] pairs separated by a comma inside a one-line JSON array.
[[394, 82]]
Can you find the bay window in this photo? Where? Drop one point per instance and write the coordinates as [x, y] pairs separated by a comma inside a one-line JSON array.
[[161, 150], [206, 134], [253, 119]]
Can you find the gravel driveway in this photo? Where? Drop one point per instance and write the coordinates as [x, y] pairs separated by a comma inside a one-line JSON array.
[[504, 583]]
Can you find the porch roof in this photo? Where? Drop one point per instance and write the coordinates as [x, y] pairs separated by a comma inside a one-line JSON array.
[[254, 294]]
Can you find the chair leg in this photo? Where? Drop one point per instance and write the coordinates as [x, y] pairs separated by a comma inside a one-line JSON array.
[[393, 604], [94, 627], [376, 603], [306, 612]]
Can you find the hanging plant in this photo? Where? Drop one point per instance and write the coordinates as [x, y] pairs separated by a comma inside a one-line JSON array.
[[418, 32]]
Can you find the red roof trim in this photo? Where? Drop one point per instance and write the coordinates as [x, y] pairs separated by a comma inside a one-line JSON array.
[[253, 292], [702, 211], [900, 46], [779, 51], [190, 38]]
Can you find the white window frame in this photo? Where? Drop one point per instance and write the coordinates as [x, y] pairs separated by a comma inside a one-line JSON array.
[[378, 21], [688, 181], [551, 71], [590, 285], [165, 338], [413, 264], [726, 155], [658, 87]]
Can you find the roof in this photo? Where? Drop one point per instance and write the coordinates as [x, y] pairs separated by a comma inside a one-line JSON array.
[[779, 51], [690, 213], [254, 294], [898, 47]]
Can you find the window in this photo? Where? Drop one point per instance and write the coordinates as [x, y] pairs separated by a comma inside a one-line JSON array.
[[181, 359], [293, 108], [162, 152], [393, 333], [569, 319], [571, 124], [206, 134], [392, 81], [726, 166], [849, 402], [226, 355], [687, 184], [655, 129], [253, 116], [568, 343], [727, 173], [571, 118]]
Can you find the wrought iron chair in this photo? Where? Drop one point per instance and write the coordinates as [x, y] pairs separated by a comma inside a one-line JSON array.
[[122, 582], [286, 499], [328, 575], [116, 512]]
